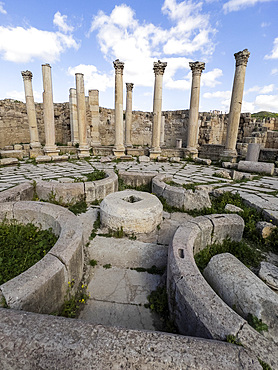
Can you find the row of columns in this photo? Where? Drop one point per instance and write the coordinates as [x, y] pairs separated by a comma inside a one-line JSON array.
[[78, 110]]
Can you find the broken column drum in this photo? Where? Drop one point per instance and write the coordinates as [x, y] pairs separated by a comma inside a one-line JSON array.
[[81, 114], [94, 109], [236, 103], [128, 114], [73, 116], [119, 148], [192, 131], [31, 109], [159, 68], [48, 112]]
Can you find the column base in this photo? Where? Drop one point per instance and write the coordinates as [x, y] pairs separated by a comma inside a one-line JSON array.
[[155, 153], [95, 143], [229, 155], [191, 152], [34, 153], [51, 150], [128, 145], [35, 145], [118, 152], [83, 151]]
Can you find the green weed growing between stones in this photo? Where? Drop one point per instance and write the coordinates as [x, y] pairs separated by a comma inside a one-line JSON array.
[[256, 323], [73, 305], [21, 246], [233, 340], [264, 365]]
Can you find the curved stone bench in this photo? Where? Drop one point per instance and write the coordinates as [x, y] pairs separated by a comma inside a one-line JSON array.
[[63, 192], [133, 211], [44, 286], [179, 197], [196, 308]]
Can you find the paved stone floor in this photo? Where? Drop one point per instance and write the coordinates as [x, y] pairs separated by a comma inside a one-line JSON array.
[[118, 293]]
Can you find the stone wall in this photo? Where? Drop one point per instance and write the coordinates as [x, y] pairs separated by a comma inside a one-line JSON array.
[[14, 127]]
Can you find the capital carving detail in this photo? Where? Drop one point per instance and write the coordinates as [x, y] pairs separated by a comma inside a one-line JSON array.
[[242, 57], [197, 67], [27, 75], [129, 86], [159, 67], [119, 66]]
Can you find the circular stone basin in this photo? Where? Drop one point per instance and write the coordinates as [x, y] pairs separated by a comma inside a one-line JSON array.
[[133, 211]]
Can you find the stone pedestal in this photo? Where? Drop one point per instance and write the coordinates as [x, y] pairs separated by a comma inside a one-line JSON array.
[[73, 116], [192, 131], [48, 112], [128, 115], [119, 149], [253, 152], [162, 131], [159, 68], [94, 109], [236, 103], [84, 149], [31, 109]]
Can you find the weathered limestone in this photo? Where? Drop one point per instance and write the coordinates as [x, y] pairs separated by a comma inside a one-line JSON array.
[[242, 290], [48, 112], [159, 68], [73, 116], [94, 109], [192, 132], [133, 211], [269, 274], [235, 106], [31, 109], [162, 133], [83, 149], [259, 167], [253, 152], [128, 115], [119, 149], [265, 228]]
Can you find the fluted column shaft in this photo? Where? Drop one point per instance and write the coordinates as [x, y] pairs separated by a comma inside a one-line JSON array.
[[119, 123], [73, 116], [94, 109], [128, 114], [162, 131], [31, 109], [48, 111], [236, 101], [81, 114], [159, 68], [192, 131]]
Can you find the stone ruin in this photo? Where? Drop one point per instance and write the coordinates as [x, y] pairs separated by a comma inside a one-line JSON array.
[[204, 316]]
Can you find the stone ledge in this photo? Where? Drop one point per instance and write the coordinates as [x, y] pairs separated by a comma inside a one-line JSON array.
[[43, 287], [30, 341], [197, 309]]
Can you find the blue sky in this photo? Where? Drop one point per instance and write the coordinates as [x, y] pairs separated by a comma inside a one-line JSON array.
[[87, 35]]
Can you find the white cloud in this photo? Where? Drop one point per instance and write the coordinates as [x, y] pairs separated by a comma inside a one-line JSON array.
[[261, 90], [274, 52], [2, 10], [61, 22], [274, 71], [138, 45], [235, 5], [93, 79], [265, 24], [210, 78], [267, 102], [218, 94], [18, 44], [20, 95]]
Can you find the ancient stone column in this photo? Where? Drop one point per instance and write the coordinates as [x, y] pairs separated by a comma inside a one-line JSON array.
[[94, 109], [162, 131], [128, 114], [159, 68], [73, 116], [31, 109], [119, 149], [230, 152], [192, 131], [48, 112], [84, 149]]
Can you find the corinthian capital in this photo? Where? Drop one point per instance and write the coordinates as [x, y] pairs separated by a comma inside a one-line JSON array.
[[242, 57], [197, 67], [159, 67], [27, 75], [129, 86], [119, 66]]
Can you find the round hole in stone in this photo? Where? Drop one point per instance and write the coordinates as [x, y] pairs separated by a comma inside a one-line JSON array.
[[132, 199]]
